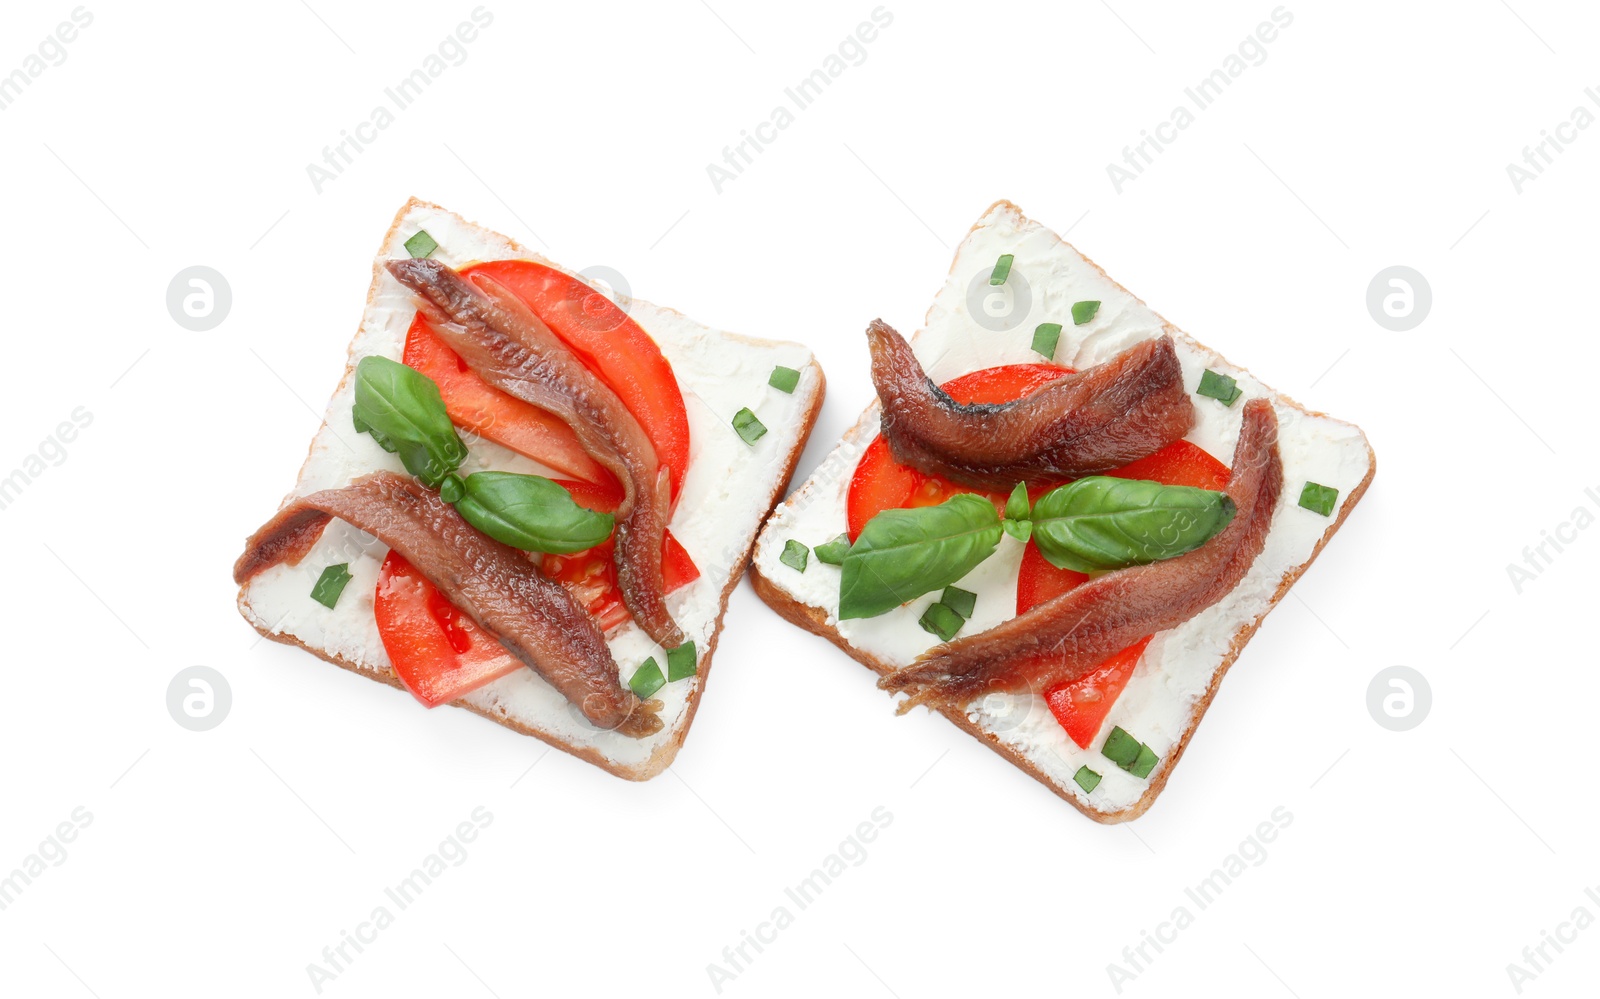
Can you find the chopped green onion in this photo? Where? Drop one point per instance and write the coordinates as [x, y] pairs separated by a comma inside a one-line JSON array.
[[1045, 338], [750, 428], [330, 584], [1002, 269], [1121, 748], [1082, 312], [1086, 779], [784, 379], [647, 679], [1219, 387], [959, 600], [794, 555], [941, 621], [682, 661], [1144, 763], [1129, 753], [1319, 498], [833, 552], [421, 244]]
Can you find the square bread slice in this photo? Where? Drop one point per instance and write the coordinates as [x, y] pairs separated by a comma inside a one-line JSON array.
[[1182, 668], [730, 487]]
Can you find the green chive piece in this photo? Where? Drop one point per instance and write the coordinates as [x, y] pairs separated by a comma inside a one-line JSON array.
[[1319, 498], [1144, 763], [1219, 387], [330, 584], [1082, 312], [833, 552], [1045, 338], [941, 621], [647, 679], [959, 600], [421, 244], [1002, 269], [750, 428], [1121, 748], [682, 662], [794, 555], [784, 379], [1086, 779]]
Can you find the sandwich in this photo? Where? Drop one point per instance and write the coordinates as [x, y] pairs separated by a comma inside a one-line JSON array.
[[1061, 520], [528, 499]]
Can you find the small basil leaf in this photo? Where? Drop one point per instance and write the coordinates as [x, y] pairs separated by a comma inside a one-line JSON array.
[[1017, 507], [1019, 529], [531, 512], [902, 554], [401, 408], [1100, 522]]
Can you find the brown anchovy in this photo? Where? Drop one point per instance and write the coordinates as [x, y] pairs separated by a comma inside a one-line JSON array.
[[1096, 420], [535, 618], [1063, 639], [512, 349]]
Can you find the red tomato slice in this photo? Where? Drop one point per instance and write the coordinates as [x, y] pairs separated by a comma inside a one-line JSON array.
[[436, 651], [591, 575], [1179, 464], [611, 345], [880, 483], [439, 653], [476, 405], [1081, 706]]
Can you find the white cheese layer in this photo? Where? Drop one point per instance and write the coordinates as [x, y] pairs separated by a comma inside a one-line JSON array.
[[724, 495], [1172, 678]]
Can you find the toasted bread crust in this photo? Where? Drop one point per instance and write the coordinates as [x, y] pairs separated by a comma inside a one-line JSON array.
[[667, 751], [815, 620]]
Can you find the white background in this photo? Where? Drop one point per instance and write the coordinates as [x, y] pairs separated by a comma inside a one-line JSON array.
[[222, 863]]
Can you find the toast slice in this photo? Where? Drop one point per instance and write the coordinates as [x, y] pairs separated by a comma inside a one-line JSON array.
[[729, 489], [1182, 668]]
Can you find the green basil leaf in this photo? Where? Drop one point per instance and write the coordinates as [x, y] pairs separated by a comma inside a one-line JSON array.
[[531, 512], [1019, 529], [1100, 522], [902, 554], [401, 408], [1017, 505]]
